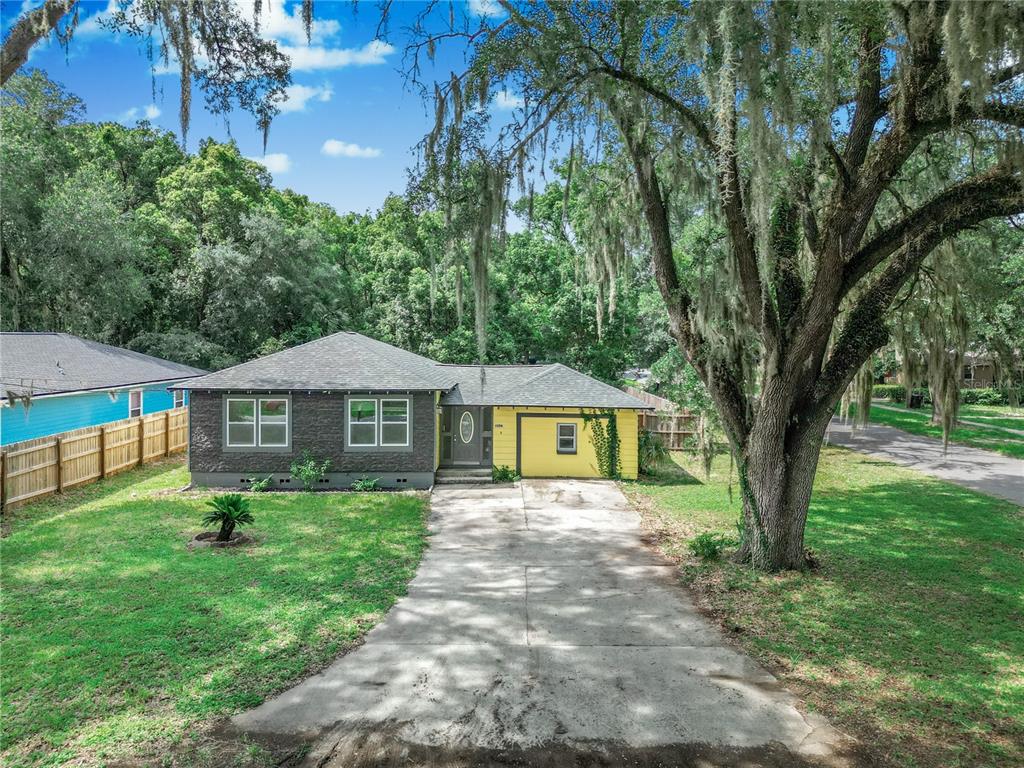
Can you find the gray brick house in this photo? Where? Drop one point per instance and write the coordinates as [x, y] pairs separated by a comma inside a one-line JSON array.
[[378, 411]]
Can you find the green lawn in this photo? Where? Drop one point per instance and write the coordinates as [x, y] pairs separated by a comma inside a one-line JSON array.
[[996, 415], [909, 635], [918, 422], [118, 642]]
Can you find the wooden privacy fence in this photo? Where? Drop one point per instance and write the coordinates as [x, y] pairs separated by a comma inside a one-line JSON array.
[[50, 464], [669, 422], [672, 428]]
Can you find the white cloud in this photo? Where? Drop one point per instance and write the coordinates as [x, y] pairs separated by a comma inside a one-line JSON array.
[[485, 8], [508, 100], [275, 162], [276, 23], [336, 148], [148, 112], [298, 96], [310, 58], [90, 25]]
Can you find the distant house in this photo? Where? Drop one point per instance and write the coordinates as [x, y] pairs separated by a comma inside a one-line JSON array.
[[381, 412], [56, 382]]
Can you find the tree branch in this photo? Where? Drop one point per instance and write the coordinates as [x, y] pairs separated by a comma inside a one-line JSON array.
[[865, 329], [700, 130], [29, 30], [998, 192], [721, 382]]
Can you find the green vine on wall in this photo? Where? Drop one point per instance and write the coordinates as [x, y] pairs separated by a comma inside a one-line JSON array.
[[606, 441]]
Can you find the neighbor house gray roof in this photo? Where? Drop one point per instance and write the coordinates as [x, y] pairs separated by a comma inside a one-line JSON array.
[[53, 363], [351, 362], [344, 361], [534, 385]]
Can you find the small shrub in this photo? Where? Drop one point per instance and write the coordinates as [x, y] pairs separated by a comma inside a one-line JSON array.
[[891, 392], [984, 396], [364, 484], [259, 486], [229, 510], [709, 546], [504, 474], [652, 452], [309, 470], [897, 393]]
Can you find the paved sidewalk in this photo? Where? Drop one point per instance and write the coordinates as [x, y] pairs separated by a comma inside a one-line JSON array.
[[540, 626], [984, 471]]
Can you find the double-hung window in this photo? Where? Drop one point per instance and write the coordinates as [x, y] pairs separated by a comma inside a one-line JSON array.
[[378, 422], [567, 438], [257, 422], [362, 423], [394, 423], [179, 398], [273, 423], [134, 403]]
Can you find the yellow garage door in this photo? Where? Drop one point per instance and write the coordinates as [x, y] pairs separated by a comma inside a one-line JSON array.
[[556, 446]]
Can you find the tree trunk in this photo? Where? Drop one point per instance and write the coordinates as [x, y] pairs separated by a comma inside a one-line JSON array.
[[777, 465], [226, 529]]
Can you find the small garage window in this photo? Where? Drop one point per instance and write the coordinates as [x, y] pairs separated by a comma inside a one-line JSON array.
[[567, 438]]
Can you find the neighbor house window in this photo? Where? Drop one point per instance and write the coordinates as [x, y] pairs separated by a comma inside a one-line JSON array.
[[257, 422], [567, 438], [394, 422], [179, 398], [134, 403], [362, 423]]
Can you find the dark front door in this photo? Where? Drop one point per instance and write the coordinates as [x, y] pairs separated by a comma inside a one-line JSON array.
[[466, 433]]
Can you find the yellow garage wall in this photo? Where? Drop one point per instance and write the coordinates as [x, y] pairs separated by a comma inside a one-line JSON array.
[[540, 457]]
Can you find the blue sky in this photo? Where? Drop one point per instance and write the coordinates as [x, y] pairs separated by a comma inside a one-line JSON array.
[[346, 134]]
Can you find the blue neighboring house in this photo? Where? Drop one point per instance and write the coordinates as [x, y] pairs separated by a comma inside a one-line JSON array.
[[55, 382]]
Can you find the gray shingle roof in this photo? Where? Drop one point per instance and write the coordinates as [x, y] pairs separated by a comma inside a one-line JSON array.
[[349, 361], [534, 385], [52, 363], [341, 361]]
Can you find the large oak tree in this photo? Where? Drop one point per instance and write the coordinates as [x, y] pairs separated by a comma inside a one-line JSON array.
[[791, 126]]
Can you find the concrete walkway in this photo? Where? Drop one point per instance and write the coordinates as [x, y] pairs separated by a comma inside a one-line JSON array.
[[539, 625], [984, 471]]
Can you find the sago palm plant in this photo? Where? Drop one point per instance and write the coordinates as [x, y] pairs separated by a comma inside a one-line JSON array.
[[228, 510]]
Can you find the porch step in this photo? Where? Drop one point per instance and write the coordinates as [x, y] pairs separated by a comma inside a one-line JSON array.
[[453, 476]]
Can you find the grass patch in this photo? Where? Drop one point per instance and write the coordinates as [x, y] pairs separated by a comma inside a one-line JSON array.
[[909, 636], [918, 422], [996, 415], [119, 643]]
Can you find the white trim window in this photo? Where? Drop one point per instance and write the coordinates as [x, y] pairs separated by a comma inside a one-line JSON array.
[[261, 422], [273, 422], [362, 423], [394, 422], [179, 398], [566, 438], [134, 403], [241, 422]]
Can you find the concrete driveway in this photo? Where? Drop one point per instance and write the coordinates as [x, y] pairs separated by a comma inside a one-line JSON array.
[[539, 625]]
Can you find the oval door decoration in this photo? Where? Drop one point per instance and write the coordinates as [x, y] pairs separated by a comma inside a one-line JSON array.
[[466, 427]]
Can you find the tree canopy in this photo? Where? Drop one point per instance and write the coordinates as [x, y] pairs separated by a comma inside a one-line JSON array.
[[807, 137], [116, 234]]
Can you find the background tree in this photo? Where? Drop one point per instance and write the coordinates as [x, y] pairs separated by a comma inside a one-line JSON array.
[[789, 126], [214, 45]]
